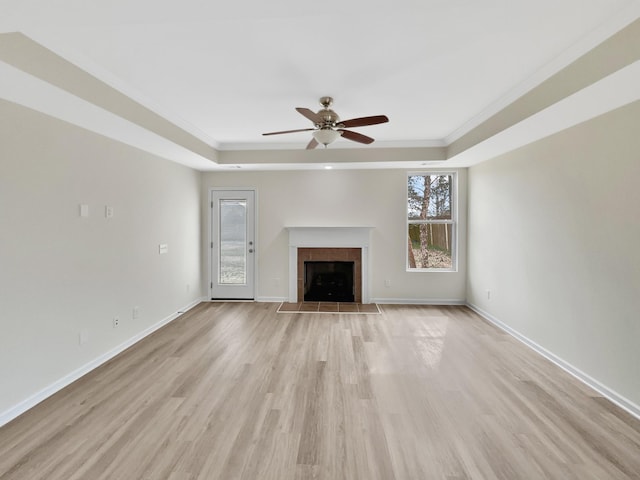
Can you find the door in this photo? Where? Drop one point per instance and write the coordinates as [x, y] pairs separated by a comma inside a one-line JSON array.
[[233, 244]]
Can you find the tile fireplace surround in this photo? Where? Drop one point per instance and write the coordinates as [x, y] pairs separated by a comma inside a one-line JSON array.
[[338, 243]]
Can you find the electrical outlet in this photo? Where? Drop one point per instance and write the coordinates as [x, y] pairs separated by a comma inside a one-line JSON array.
[[116, 322], [387, 283], [108, 211], [488, 294], [83, 337], [136, 312]]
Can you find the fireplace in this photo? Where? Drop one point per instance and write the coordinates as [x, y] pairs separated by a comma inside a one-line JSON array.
[[334, 251], [328, 282], [329, 274]]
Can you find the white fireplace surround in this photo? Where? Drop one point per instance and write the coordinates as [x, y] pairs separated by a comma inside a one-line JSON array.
[[328, 237]]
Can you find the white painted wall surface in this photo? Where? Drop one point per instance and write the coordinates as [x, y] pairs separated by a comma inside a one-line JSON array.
[[554, 234], [375, 198], [61, 274]]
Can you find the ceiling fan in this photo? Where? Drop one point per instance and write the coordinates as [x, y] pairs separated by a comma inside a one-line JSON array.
[[328, 126]]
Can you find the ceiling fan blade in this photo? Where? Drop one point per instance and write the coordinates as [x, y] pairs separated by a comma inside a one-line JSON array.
[[356, 137], [311, 115], [363, 121], [289, 131], [312, 144]]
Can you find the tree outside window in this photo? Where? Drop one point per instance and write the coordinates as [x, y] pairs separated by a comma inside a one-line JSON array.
[[431, 221]]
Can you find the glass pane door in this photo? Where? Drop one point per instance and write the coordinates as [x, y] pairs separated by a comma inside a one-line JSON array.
[[232, 244]]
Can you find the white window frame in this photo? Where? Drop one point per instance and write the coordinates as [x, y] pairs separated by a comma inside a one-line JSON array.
[[453, 222]]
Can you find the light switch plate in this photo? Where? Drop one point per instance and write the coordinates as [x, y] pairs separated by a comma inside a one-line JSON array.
[[163, 248], [83, 337], [84, 210]]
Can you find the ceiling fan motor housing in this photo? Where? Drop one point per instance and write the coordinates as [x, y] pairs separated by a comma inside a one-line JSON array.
[[329, 117]]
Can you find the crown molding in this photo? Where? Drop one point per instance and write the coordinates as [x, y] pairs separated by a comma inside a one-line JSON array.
[[346, 145]]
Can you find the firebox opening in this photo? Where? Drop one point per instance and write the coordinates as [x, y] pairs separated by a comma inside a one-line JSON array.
[[329, 282]]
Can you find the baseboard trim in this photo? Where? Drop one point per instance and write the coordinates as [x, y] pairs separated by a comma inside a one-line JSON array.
[[272, 299], [591, 382], [391, 301], [417, 301], [33, 400]]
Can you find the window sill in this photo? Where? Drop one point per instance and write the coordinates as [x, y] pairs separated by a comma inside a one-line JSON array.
[[431, 270]]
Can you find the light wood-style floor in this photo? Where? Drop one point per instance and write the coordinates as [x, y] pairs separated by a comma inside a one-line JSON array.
[[236, 391]]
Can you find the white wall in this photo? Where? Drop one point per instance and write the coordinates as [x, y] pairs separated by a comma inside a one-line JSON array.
[[342, 198], [61, 274], [554, 234]]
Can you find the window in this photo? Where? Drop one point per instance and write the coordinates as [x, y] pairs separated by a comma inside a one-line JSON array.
[[431, 221]]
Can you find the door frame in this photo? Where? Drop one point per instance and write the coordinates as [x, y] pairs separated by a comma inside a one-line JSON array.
[[210, 240]]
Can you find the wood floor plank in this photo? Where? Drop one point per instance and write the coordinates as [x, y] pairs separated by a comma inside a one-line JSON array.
[[239, 391]]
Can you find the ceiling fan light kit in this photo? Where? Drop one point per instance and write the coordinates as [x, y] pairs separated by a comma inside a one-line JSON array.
[[325, 136], [328, 127]]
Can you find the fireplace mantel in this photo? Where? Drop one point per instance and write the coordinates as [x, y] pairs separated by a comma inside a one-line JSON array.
[[328, 237]]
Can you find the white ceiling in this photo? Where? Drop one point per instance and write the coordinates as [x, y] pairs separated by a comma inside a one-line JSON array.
[[228, 71]]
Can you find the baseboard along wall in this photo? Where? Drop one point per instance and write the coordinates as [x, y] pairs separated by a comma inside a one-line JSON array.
[[33, 400], [591, 382]]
